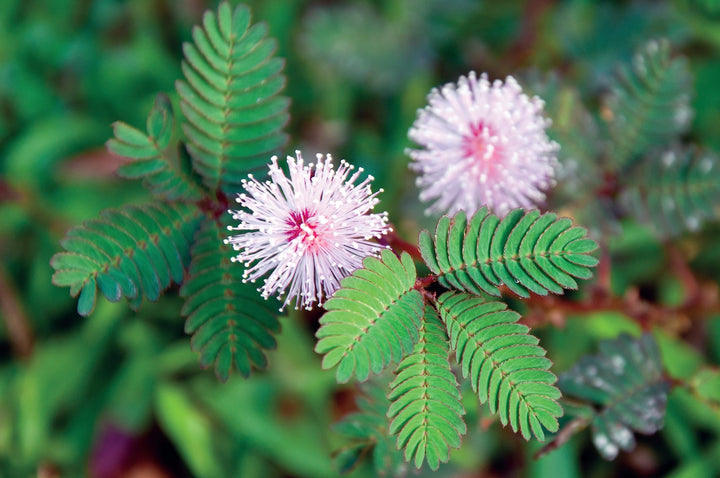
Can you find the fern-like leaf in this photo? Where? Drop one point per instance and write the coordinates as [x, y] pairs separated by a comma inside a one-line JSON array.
[[651, 104], [153, 157], [576, 130], [373, 319], [626, 382], [229, 97], [135, 252], [426, 411], [231, 325], [674, 191], [579, 174], [505, 365], [368, 431], [525, 251]]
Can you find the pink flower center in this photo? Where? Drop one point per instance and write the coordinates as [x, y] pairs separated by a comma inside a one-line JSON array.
[[305, 226], [484, 155]]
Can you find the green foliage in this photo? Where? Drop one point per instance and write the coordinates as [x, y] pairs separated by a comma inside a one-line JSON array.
[[626, 385], [525, 251], [576, 131], [368, 431], [357, 75], [707, 7], [505, 365], [373, 319], [674, 191], [706, 385], [189, 429], [229, 97], [580, 172], [57, 379], [135, 252], [154, 158], [363, 46], [426, 411], [233, 119], [231, 325], [651, 104]]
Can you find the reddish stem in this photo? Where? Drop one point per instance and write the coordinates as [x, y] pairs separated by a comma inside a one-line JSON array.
[[217, 207], [396, 243], [682, 271], [422, 283], [522, 48]]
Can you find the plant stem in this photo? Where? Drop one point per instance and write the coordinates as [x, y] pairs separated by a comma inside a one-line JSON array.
[[398, 244]]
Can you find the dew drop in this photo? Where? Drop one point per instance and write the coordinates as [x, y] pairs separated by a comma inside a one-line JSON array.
[[706, 165], [692, 222], [668, 159]]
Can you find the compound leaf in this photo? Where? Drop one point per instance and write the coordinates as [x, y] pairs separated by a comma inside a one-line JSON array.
[[230, 97], [674, 191], [525, 251], [625, 381], [153, 156], [373, 319], [135, 252], [426, 411], [231, 325], [651, 103], [368, 430], [505, 365]]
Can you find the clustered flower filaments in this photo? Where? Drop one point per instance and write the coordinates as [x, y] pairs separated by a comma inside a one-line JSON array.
[[307, 231], [483, 144]]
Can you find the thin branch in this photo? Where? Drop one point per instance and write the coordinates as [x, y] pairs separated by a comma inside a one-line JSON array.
[[422, 283], [602, 286], [525, 41], [682, 271], [398, 244], [554, 309], [702, 299], [563, 436]]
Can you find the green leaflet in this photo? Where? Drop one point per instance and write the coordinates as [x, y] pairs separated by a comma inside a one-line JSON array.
[[135, 252], [579, 174], [505, 365], [626, 381], [525, 251], [368, 431], [153, 157], [705, 384], [674, 191], [575, 129], [231, 325], [373, 319], [229, 97], [426, 411], [650, 105]]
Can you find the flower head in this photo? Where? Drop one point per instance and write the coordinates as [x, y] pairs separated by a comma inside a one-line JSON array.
[[308, 231], [484, 144]]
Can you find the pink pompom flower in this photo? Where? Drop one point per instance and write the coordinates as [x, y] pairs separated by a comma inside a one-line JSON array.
[[307, 231], [482, 144]]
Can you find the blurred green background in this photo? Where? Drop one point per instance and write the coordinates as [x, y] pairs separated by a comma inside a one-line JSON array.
[[121, 394]]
